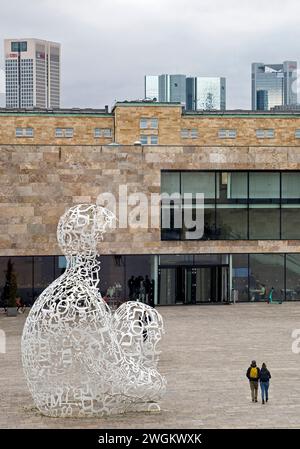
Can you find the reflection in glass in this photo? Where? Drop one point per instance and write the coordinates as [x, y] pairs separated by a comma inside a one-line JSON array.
[[43, 273], [264, 185], [290, 221], [240, 271], [292, 276], [266, 271], [232, 222], [264, 221]]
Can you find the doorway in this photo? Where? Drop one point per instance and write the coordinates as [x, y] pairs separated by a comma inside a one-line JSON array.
[[193, 284]]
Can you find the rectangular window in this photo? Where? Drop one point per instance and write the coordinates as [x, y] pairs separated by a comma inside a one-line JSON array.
[[194, 133], [64, 132], [153, 123], [297, 134], [69, 132], [265, 133], [144, 140], [153, 140], [106, 132], [227, 134], [143, 123], [189, 133], [24, 132], [18, 46], [238, 205], [185, 133], [59, 132], [97, 132]]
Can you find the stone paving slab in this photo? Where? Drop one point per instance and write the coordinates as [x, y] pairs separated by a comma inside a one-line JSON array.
[[205, 354]]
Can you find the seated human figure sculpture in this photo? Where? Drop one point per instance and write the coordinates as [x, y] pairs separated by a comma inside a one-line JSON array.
[[79, 357]]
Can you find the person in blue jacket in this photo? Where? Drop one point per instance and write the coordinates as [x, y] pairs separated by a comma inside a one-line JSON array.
[[264, 380]]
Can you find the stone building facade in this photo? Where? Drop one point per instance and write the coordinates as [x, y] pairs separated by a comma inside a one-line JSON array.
[[48, 169]]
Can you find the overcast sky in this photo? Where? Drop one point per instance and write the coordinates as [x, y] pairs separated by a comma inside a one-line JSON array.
[[108, 45]]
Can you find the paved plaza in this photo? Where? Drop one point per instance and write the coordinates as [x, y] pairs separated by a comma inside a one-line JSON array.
[[205, 353]]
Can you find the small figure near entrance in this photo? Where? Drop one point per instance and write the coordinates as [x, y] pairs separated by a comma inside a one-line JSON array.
[[262, 293], [270, 297], [264, 379], [253, 373]]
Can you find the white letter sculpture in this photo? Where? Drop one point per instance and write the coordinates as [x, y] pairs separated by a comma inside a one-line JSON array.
[[80, 358]]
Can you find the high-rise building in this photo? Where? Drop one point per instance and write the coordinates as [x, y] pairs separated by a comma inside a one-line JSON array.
[[166, 88], [273, 85], [32, 70], [205, 93], [194, 93], [151, 87]]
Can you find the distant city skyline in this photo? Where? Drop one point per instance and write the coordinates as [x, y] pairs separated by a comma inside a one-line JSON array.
[[193, 92], [98, 69]]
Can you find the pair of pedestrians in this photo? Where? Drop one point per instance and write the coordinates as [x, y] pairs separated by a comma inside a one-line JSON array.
[[262, 376]]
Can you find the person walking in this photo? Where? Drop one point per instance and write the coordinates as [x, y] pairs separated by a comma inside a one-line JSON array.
[[264, 379], [252, 374]]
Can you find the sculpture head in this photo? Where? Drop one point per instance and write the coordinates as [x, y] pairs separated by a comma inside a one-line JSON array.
[[81, 227]]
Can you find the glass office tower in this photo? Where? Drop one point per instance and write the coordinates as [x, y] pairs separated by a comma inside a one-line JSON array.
[[165, 88], [195, 93], [273, 85], [151, 91], [205, 93]]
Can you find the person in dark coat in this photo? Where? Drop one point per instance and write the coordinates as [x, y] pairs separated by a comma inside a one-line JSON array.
[[264, 379], [252, 374]]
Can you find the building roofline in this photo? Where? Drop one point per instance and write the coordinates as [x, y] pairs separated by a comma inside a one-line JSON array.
[[242, 113], [55, 112], [86, 112], [146, 103]]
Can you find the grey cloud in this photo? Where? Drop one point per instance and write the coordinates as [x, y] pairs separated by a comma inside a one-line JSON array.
[[108, 46]]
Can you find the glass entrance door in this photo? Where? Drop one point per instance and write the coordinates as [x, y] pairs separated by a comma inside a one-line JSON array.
[[192, 285]]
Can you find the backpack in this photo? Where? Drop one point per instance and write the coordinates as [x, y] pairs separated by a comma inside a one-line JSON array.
[[254, 372]]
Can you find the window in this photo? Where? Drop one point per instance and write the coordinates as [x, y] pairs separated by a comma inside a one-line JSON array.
[[194, 133], [102, 132], [69, 132], [189, 133], [19, 46], [265, 133], [24, 132], [144, 140], [151, 123], [143, 123], [106, 132], [185, 133], [238, 205], [154, 123], [227, 134], [297, 134], [64, 132], [149, 140], [153, 140]]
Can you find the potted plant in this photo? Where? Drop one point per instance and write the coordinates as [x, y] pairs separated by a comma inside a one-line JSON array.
[[10, 290]]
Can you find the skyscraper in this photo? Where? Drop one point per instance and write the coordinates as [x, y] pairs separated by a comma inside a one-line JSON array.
[[166, 88], [205, 93], [200, 92], [32, 71], [272, 85], [151, 87]]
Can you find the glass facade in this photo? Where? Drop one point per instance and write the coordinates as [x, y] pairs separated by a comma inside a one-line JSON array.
[[272, 85], [171, 279], [129, 277], [238, 205]]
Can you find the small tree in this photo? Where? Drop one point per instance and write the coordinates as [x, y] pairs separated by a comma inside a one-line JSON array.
[[10, 287]]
